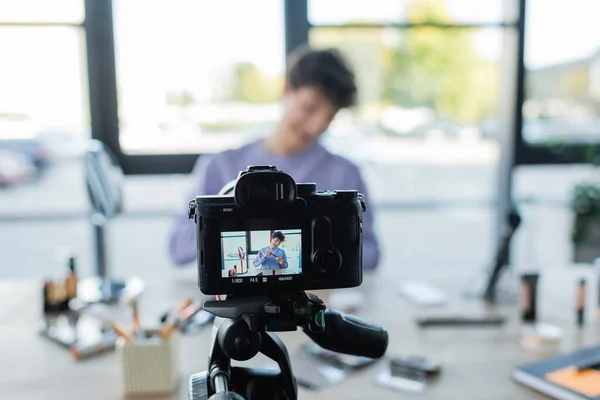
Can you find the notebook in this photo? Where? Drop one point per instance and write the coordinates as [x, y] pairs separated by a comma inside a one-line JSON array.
[[558, 378]]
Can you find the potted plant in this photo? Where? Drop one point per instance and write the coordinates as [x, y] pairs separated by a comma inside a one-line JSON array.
[[585, 236]]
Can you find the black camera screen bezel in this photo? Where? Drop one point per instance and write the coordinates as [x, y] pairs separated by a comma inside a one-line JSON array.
[[212, 283]]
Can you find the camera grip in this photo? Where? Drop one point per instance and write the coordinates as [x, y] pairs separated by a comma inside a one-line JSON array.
[[350, 335]]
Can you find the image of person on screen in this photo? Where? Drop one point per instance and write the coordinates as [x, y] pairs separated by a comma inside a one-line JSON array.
[[272, 256]]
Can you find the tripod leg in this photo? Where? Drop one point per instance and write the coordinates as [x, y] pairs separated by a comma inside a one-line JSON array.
[[274, 348]]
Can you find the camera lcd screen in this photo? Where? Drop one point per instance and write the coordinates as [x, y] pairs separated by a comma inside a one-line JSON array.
[[256, 256]]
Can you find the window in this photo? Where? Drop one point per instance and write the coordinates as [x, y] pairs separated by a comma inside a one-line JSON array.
[[422, 82], [44, 107], [293, 243], [42, 11], [429, 74], [561, 109], [196, 76], [258, 240], [43, 82], [340, 12]]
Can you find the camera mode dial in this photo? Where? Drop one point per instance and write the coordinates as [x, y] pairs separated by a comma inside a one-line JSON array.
[[327, 261]]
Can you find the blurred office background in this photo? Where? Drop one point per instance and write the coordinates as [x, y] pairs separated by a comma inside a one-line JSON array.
[[464, 107]]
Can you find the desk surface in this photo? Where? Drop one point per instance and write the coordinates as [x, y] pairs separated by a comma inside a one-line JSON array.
[[477, 362]]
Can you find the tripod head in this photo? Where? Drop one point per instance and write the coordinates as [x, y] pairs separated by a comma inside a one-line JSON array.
[[243, 328]]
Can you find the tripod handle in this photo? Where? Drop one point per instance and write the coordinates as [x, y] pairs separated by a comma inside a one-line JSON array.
[[350, 335]]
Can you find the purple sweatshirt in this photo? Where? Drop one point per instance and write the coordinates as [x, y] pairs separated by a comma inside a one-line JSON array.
[[327, 170]]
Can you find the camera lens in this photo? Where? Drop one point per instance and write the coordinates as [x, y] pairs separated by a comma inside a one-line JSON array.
[[327, 260]]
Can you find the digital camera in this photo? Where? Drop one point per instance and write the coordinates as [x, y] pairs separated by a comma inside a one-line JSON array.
[[274, 236]]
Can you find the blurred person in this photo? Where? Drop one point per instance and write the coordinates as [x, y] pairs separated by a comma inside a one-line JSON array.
[[318, 84], [272, 256]]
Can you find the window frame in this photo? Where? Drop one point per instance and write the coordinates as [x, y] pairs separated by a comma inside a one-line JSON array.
[[103, 93], [47, 24], [526, 154], [104, 110]]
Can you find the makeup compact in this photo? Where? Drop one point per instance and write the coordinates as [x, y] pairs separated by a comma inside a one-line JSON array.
[[541, 337]]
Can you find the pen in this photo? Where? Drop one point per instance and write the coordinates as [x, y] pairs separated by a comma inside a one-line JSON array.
[[597, 268], [171, 322], [187, 316], [460, 321], [119, 330], [190, 312], [589, 363], [136, 316], [183, 317], [169, 314], [185, 304], [169, 326], [581, 303], [101, 313], [166, 332], [80, 353]]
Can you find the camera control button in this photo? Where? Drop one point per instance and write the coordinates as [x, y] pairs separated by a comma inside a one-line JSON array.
[[346, 194], [321, 225], [321, 231], [306, 189], [327, 260]]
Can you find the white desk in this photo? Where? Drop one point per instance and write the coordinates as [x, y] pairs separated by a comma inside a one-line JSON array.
[[477, 362]]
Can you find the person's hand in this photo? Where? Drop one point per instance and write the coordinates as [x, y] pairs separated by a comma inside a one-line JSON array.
[[268, 253], [280, 261]]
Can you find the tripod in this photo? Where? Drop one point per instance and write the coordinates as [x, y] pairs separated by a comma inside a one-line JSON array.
[[243, 328]]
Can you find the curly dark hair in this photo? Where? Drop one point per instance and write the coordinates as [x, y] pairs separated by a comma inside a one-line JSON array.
[[279, 235], [326, 70]]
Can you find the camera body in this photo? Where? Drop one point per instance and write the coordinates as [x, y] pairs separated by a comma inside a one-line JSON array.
[[275, 236]]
